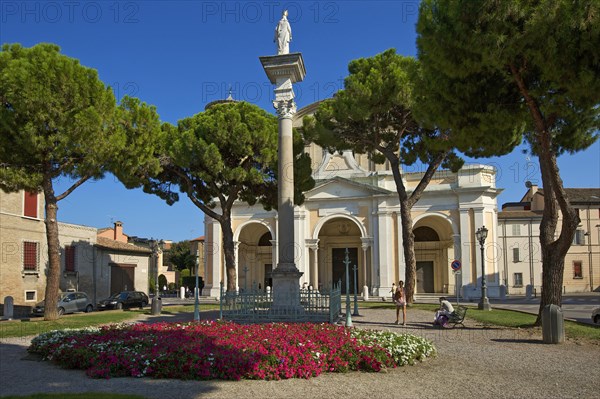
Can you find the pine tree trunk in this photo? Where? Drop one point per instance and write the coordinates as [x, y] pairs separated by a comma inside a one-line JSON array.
[[408, 244], [53, 273], [555, 197], [554, 251], [229, 248]]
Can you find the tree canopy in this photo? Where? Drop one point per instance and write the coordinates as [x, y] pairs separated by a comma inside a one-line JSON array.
[[499, 72], [373, 114], [58, 119], [181, 257], [225, 154]]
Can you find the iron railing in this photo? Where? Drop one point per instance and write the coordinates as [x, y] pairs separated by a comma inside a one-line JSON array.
[[256, 306]]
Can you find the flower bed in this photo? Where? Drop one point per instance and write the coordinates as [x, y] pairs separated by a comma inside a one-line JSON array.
[[224, 350]]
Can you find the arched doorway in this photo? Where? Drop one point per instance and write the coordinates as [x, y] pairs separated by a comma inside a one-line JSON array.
[[335, 236], [255, 257], [433, 239]]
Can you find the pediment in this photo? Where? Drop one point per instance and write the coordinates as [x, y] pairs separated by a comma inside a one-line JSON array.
[[338, 187]]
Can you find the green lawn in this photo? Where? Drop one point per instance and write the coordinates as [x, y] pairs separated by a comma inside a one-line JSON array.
[[37, 325], [501, 317], [174, 309]]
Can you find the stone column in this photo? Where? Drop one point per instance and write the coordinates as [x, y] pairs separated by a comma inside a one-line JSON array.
[[284, 70], [214, 258], [236, 254], [313, 245], [465, 247], [366, 243]]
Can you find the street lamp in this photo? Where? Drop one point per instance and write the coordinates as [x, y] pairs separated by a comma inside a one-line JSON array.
[[196, 290], [484, 303], [348, 316], [355, 268]]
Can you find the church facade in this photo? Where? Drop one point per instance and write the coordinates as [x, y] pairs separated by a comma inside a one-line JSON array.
[[354, 206]]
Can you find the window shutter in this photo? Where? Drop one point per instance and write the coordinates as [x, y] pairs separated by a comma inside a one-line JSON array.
[[69, 258], [577, 269], [30, 207]]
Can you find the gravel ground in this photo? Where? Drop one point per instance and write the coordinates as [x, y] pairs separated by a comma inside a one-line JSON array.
[[475, 361]]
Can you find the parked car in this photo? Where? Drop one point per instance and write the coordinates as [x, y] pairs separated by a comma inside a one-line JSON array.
[[124, 300], [596, 315], [68, 302]]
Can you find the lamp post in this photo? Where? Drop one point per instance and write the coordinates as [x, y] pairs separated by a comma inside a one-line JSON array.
[[484, 303], [196, 290], [155, 253], [348, 316], [355, 313]]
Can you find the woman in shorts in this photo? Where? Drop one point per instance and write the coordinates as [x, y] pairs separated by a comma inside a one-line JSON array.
[[400, 301]]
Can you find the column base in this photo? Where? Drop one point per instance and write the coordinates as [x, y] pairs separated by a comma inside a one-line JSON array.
[[286, 289], [484, 304]]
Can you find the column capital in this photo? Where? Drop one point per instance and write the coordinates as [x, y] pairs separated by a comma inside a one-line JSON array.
[[366, 242], [312, 243], [286, 109]]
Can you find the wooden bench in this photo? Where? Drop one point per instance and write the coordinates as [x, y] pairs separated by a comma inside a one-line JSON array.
[[458, 316]]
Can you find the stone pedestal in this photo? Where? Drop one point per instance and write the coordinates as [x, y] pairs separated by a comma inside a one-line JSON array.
[[282, 71]]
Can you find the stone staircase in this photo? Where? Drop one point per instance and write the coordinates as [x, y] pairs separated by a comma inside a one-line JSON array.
[[431, 297]]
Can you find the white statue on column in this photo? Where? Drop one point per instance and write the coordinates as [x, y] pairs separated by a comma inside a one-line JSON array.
[[283, 35]]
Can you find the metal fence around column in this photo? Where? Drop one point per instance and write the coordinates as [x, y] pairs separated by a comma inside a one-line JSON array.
[[255, 306]]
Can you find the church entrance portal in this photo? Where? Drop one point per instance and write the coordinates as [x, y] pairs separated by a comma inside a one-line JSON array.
[[425, 277]]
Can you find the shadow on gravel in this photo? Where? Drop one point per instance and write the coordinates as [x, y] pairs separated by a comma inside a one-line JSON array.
[[519, 341], [23, 373], [180, 317]]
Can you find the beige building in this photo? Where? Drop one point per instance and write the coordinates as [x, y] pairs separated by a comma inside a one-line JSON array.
[[354, 205], [519, 244], [91, 261]]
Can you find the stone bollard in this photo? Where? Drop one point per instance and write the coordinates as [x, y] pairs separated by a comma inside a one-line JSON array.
[[9, 308], [365, 293], [182, 293], [553, 328], [502, 292], [156, 306], [529, 291]]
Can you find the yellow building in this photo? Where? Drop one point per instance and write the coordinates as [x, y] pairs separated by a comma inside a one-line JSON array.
[[519, 244], [94, 262]]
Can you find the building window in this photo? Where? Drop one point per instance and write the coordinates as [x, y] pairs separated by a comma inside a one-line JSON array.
[[30, 204], [577, 269], [70, 258], [516, 255], [518, 279], [579, 238], [30, 256], [30, 296], [516, 229]]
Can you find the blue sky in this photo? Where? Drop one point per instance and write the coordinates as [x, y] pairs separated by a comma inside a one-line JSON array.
[[180, 55]]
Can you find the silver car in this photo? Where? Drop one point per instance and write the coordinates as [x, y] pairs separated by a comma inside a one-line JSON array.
[[596, 315], [68, 302]]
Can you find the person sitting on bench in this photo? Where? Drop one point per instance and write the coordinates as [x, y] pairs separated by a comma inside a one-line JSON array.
[[444, 311]]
